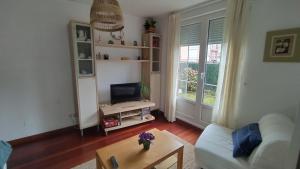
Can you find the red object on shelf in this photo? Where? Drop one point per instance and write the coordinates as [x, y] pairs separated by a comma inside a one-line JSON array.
[[155, 42], [110, 122]]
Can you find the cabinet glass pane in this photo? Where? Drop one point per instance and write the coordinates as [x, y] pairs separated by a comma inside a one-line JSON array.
[[155, 55], [83, 33], [84, 50], [155, 42], [155, 66], [85, 67]]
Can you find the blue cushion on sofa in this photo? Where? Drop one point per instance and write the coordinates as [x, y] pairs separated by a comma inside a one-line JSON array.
[[245, 140]]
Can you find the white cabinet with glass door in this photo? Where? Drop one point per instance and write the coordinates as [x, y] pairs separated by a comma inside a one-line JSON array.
[[83, 64], [200, 53]]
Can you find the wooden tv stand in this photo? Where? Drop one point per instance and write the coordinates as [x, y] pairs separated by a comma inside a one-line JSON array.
[[128, 113]]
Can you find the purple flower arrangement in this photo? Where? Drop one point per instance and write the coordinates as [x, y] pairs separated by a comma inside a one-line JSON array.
[[145, 138]]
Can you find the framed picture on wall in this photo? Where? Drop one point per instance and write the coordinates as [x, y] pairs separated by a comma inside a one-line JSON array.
[[283, 46]]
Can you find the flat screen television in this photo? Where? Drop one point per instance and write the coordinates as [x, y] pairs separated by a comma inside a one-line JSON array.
[[125, 92]]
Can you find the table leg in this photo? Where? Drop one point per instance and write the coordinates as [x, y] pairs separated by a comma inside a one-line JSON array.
[[180, 158], [98, 163]]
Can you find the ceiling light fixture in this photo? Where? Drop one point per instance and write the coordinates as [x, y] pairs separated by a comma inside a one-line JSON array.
[[106, 15]]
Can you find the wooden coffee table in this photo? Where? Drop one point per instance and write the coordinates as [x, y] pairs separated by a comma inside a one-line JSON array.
[[130, 155]]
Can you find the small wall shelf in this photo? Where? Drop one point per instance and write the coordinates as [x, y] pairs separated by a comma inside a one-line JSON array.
[[126, 115], [85, 59], [80, 41], [125, 61], [120, 46]]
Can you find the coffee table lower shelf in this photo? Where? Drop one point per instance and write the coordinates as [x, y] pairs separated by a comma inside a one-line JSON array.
[[130, 121]]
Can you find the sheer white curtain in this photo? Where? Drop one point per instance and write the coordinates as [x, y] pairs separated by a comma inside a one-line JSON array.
[[173, 50], [233, 51]]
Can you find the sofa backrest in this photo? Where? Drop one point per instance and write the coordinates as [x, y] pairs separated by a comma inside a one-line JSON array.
[[276, 131]]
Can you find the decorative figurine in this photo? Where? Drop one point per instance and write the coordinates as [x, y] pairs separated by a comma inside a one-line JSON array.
[[122, 42], [106, 57]]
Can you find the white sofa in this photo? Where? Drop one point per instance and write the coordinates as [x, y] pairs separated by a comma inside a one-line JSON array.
[[214, 147]]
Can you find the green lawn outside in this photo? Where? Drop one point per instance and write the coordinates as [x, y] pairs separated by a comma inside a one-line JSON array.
[[189, 95], [208, 99]]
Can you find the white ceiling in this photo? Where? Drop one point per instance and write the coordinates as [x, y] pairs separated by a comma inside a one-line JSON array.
[[146, 8]]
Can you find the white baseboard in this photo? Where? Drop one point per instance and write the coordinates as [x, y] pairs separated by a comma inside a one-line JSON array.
[[192, 123]]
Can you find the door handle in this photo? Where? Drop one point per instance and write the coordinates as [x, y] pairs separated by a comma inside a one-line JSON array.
[[202, 75]]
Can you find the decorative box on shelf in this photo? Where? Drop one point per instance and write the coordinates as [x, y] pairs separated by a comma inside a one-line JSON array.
[[110, 122], [146, 111]]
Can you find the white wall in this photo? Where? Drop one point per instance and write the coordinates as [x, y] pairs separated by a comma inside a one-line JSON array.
[[35, 71], [116, 72], [36, 92], [268, 87]]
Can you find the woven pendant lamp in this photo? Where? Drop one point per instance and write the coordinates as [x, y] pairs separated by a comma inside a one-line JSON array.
[[106, 15]]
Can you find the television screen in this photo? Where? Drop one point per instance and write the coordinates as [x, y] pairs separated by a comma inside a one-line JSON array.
[[125, 92]]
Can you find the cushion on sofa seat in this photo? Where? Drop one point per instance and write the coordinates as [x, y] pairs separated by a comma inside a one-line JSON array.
[[214, 149], [276, 131], [245, 140]]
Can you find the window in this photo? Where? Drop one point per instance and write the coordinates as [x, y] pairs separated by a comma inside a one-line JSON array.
[[188, 72], [191, 65], [189, 62], [213, 56]]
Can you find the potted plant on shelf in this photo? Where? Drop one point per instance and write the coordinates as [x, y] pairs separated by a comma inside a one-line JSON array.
[[145, 91], [145, 138], [150, 25]]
